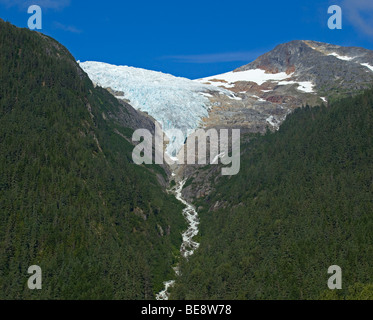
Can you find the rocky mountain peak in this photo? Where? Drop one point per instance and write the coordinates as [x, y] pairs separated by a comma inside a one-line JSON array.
[[282, 58], [253, 97], [327, 66]]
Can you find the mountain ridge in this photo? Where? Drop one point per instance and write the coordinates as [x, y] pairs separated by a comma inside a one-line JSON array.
[[258, 95], [71, 199]]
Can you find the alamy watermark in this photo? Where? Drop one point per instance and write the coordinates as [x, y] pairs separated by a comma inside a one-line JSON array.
[[218, 143], [335, 281], [34, 282], [335, 21], [35, 21]]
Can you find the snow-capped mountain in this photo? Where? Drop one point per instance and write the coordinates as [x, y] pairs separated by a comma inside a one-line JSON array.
[[252, 97], [289, 76], [324, 65]]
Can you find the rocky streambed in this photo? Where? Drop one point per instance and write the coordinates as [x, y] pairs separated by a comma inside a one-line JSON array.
[[188, 246]]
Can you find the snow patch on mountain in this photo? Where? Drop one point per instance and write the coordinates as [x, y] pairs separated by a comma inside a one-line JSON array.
[[304, 86], [345, 58], [368, 66], [273, 122], [258, 76]]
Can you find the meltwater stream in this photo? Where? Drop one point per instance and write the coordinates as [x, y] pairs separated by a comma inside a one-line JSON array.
[[188, 246]]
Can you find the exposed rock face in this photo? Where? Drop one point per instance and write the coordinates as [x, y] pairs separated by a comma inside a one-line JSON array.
[[129, 117], [135, 119]]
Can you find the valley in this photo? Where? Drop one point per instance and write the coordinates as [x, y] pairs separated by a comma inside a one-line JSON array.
[[74, 202]]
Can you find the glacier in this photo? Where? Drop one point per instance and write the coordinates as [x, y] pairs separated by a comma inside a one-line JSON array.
[[175, 102]]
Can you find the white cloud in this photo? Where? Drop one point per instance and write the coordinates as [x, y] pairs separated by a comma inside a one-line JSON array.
[[215, 57], [360, 14], [44, 4], [63, 27]]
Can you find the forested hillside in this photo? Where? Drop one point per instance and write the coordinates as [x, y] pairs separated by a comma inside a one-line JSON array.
[[71, 200], [302, 201]]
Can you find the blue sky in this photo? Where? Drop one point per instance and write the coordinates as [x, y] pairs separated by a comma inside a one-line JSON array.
[[190, 38]]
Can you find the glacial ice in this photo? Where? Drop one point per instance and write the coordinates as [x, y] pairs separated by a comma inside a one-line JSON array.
[[175, 102]]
